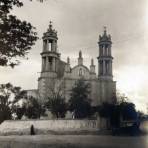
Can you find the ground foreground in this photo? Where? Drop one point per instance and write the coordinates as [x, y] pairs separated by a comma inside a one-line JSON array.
[[76, 141], [73, 141]]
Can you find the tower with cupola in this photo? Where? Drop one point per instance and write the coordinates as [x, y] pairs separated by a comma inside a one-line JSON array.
[[107, 86], [50, 60], [49, 55], [105, 57]]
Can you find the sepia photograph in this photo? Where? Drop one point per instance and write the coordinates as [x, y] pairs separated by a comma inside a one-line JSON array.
[[73, 74]]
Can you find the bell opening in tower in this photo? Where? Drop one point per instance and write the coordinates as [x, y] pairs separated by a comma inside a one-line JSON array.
[[49, 44], [50, 59]]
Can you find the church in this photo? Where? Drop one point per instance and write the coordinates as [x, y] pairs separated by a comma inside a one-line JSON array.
[[57, 76]]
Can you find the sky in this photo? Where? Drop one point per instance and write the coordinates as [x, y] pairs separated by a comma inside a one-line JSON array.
[[79, 24]]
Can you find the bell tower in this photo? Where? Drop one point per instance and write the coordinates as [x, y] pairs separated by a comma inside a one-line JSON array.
[[50, 56], [105, 57], [50, 62]]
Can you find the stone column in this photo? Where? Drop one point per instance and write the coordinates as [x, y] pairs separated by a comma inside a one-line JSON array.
[[47, 64], [53, 64], [43, 64], [100, 68], [44, 45], [108, 51], [107, 67], [54, 46], [111, 67], [103, 51], [47, 45], [109, 48], [104, 68]]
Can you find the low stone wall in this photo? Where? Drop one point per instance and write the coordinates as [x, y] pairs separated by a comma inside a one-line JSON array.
[[19, 127]]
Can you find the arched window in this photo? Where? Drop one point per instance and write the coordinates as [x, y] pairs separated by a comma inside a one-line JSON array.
[[80, 72]]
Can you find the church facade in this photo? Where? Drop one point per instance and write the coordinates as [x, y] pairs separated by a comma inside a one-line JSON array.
[[58, 76]]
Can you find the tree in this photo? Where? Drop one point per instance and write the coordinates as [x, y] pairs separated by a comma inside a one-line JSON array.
[[9, 98], [105, 110], [16, 36], [141, 115], [128, 110], [121, 97], [117, 113], [79, 102], [18, 111], [57, 106], [33, 109], [55, 101]]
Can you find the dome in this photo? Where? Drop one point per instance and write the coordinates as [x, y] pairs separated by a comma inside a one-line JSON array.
[[105, 37], [50, 33]]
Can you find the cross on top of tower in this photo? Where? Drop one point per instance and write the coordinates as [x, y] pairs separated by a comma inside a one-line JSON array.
[[50, 25], [50, 32], [104, 37], [105, 28], [50, 22]]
